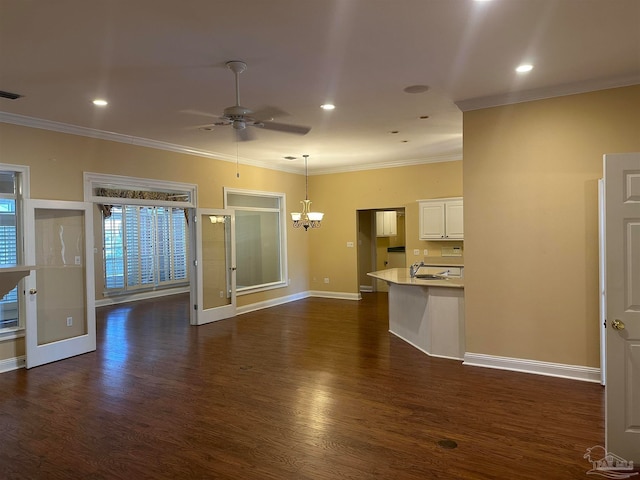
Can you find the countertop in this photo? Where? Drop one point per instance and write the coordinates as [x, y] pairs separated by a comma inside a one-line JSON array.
[[10, 275], [400, 276]]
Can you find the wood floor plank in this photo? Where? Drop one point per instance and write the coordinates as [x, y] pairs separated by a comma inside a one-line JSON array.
[[315, 389]]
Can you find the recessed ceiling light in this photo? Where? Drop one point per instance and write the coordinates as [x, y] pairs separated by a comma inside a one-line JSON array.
[[423, 117], [100, 103], [327, 106], [524, 68], [394, 131], [416, 89], [289, 158]]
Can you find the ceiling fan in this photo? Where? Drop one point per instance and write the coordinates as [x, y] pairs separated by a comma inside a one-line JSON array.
[[240, 117]]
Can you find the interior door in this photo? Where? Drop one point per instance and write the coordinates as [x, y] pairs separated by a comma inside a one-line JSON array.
[[622, 293], [214, 269], [60, 303]]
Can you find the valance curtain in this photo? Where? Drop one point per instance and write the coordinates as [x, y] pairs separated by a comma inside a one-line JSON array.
[[137, 194]]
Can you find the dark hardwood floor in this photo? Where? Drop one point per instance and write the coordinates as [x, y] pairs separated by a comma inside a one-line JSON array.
[[314, 389]]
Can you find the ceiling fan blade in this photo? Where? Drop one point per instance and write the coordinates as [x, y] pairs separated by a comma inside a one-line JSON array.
[[199, 112], [206, 127], [268, 113], [285, 127]]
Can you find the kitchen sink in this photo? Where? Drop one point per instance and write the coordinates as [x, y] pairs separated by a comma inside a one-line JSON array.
[[429, 276]]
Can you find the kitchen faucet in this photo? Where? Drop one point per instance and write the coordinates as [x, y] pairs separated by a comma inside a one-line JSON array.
[[413, 269]]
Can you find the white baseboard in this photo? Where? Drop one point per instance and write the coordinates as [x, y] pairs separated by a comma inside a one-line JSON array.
[[573, 372], [447, 357], [240, 310], [338, 295], [14, 363], [134, 297], [252, 307]]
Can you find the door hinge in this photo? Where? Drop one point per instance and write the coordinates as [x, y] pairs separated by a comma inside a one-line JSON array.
[[195, 263], [605, 324], [195, 307]]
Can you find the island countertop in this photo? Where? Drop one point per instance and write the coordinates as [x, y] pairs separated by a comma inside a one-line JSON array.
[[400, 276]]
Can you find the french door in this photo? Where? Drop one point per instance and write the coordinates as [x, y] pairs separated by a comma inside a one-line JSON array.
[[214, 273], [60, 303]]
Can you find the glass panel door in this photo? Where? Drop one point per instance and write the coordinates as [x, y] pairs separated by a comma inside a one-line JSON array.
[[215, 270], [60, 294]]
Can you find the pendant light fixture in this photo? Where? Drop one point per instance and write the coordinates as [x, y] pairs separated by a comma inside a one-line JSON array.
[[306, 218]]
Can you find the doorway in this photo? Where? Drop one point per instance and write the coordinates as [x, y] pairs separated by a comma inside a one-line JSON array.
[[381, 244]]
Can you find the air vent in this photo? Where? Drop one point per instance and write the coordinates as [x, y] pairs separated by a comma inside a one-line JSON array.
[[9, 95]]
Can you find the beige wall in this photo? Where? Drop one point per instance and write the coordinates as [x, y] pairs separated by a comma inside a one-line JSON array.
[[366, 190], [531, 233]]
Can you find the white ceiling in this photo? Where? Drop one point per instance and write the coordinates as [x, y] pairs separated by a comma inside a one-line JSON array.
[[155, 60]]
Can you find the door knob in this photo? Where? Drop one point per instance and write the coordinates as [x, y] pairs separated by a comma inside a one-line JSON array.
[[33, 291], [617, 325]]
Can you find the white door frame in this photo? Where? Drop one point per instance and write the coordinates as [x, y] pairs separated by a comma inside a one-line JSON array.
[[602, 327]]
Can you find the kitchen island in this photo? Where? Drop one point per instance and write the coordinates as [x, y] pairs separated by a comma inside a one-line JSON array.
[[428, 314]]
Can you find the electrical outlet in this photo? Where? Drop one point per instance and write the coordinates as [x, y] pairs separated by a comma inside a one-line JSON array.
[[326, 279], [78, 260], [69, 321], [221, 294], [425, 252], [349, 244]]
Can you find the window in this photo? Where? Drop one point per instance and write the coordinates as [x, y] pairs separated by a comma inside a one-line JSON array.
[[260, 239], [9, 241], [145, 230], [145, 247]]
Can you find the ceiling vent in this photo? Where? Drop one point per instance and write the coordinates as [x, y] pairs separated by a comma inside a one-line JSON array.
[[9, 95]]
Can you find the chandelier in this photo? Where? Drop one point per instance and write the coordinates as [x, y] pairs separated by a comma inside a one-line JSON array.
[[306, 218]]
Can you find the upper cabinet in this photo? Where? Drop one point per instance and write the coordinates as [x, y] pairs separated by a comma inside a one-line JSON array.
[[441, 219], [386, 223]]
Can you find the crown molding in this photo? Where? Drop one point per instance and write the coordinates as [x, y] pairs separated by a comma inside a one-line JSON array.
[[42, 124], [547, 92], [448, 157]]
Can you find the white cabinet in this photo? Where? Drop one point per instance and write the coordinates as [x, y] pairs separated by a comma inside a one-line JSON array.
[[441, 219], [386, 223]]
